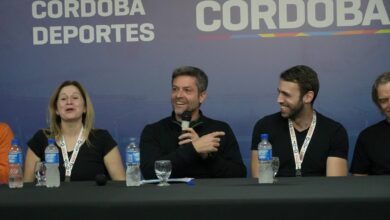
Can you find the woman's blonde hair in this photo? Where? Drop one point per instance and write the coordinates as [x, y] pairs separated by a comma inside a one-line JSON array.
[[54, 120]]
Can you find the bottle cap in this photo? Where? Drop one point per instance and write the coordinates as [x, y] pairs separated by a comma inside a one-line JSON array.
[[264, 136], [50, 141], [15, 141]]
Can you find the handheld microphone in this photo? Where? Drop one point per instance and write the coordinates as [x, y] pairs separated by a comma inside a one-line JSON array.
[[101, 179], [185, 119]]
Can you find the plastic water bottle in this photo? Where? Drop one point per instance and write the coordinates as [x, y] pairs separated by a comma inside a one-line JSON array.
[[266, 173], [52, 163], [15, 158], [133, 173]]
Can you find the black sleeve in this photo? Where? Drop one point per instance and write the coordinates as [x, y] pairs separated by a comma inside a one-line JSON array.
[[339, 143], [360, 162], [38, 144], [103, 139], [151, 149], [257, 130], [227, 163]]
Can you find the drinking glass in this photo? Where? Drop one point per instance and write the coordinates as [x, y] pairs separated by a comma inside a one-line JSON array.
[[163, 169], [275, 166], [40, 173]]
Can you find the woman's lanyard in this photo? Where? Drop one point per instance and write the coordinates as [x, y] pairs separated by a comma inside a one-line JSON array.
[[298, 156], [69, 164]]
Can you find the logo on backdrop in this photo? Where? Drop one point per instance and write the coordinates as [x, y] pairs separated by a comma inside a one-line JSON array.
[[245, 19], [80, 11]]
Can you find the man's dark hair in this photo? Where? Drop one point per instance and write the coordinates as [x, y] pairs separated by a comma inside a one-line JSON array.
[[305, 77], [382, 79], [201, 77]]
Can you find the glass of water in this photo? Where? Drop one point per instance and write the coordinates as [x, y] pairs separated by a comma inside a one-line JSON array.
[[275, 166], [163, 169], [40, 173]]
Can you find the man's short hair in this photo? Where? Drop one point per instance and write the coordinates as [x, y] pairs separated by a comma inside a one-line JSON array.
[[382, 79], [305, 77], [201, 77]]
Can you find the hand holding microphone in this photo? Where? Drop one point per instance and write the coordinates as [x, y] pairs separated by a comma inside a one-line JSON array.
[[187, 134], [205, 145]]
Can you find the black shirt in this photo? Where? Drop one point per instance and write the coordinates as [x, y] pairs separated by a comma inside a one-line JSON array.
[[329, 139], [89, 161], [372, 150]]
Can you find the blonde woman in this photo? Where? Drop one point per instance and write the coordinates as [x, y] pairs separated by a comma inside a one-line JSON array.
[[91, 151]]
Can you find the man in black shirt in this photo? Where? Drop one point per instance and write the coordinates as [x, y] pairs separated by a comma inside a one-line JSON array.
[[207, 149], [372, 149], [306, 142]]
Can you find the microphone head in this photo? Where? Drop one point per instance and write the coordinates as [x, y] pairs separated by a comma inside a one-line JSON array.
[[186, 116], [101, 179]]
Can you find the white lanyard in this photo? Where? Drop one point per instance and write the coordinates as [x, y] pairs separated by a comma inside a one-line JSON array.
[[298, 156], [69, 164]]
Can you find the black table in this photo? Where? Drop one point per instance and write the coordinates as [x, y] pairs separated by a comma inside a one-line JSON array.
[[291, 198]]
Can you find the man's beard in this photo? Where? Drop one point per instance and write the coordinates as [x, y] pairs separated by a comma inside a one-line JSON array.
[[295, 111]]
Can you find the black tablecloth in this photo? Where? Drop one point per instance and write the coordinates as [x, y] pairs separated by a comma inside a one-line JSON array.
[[290, 198]]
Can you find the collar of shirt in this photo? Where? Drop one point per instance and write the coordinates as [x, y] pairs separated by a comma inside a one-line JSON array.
[[193, 124]]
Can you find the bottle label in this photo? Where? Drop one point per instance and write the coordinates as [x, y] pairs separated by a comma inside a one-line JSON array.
[[265, 154], [52, 158], [133, 158], [15, 158]]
